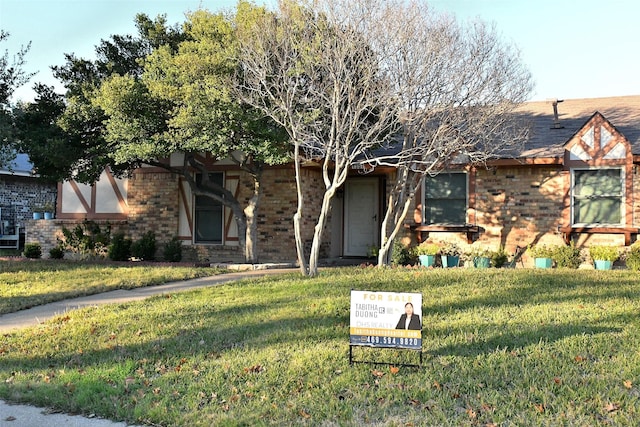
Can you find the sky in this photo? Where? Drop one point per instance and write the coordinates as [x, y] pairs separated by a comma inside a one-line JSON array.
[[574, 49]]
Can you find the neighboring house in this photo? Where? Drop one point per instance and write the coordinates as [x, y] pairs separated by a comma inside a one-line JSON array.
[[574, 180], [21, 193]]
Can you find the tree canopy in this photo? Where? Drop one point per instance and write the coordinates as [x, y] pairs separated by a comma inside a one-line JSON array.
[[12, 76]]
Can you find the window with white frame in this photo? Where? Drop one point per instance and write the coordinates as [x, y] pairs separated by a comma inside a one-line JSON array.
[[445, 199], [209, 215], [597, 196]]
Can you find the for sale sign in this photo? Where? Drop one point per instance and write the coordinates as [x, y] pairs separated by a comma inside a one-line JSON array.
[[386, 319]]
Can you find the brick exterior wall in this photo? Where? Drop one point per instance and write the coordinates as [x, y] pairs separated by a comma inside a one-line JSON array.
[[153, 199], [20, 196], [520, 206], [513, 206], [276, 240]]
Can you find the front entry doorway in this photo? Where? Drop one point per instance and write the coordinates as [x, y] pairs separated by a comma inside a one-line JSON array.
[[361, 216]]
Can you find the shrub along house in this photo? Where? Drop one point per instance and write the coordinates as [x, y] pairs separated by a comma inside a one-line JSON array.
[[574, 180]]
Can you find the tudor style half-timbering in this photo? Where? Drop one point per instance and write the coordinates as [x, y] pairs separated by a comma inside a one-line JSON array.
[[601, 192]]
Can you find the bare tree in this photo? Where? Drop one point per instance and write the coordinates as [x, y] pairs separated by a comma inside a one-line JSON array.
[[456, 87], [343, 76], [319, 79]]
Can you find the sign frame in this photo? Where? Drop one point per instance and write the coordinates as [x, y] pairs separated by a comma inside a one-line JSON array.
[[381, 319]]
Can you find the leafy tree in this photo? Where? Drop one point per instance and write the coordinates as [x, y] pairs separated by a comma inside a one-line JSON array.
[[12, 76], [63, 135], [183, 102]]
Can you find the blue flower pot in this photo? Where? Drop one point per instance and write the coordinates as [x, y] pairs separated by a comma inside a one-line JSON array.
[[48, 215], [427, 260], [543, 262], [481, 262], [603, 265], [37, 215], [449, 261]]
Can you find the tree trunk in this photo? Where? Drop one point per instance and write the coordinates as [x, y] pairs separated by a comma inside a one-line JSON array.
[[387, 245], [297, 218], [317, 234], [397, 208], [250, 212]]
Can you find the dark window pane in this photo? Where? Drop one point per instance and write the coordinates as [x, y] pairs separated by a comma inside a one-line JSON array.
[[604, 210], [208, 216], [597, 196], [446, 199]]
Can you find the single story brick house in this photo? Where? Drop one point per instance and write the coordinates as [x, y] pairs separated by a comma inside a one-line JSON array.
[[575, 179]]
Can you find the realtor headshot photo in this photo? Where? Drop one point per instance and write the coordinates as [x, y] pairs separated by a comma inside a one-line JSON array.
[[409, 320]]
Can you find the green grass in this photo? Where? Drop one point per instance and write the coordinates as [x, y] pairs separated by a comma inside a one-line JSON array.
[[24, 284], [501, 347]]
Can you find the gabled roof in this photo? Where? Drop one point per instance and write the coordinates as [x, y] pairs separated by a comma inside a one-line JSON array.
[[546, 140]]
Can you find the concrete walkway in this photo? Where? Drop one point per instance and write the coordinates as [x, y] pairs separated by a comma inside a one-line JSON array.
[[30, 416]]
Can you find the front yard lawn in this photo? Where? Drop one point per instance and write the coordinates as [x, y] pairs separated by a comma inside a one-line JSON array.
[[501, 347], [27, 283]]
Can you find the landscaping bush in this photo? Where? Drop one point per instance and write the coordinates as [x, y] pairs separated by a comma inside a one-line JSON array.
[[499, 257], [56, 253], [120, 248], [87, 239], [33, 250], [568, 256], [633, 257], [173, 250], [401, 254], [145, 248]]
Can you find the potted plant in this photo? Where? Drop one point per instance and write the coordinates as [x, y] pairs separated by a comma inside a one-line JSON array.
[[542, 255], [426, 253], [48, 209], [480, 257], [603, 256], [450, 255]]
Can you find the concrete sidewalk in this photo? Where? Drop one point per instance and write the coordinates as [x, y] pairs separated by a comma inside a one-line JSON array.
[[31, 416]]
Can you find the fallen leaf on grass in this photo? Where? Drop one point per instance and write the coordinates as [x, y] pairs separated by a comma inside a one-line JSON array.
[[628, 384], [539, 407], [377, 373], [255, 369], [612, 407], [472, 414], [557, 380], [579, 359], [304, 414], [394, 369]]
